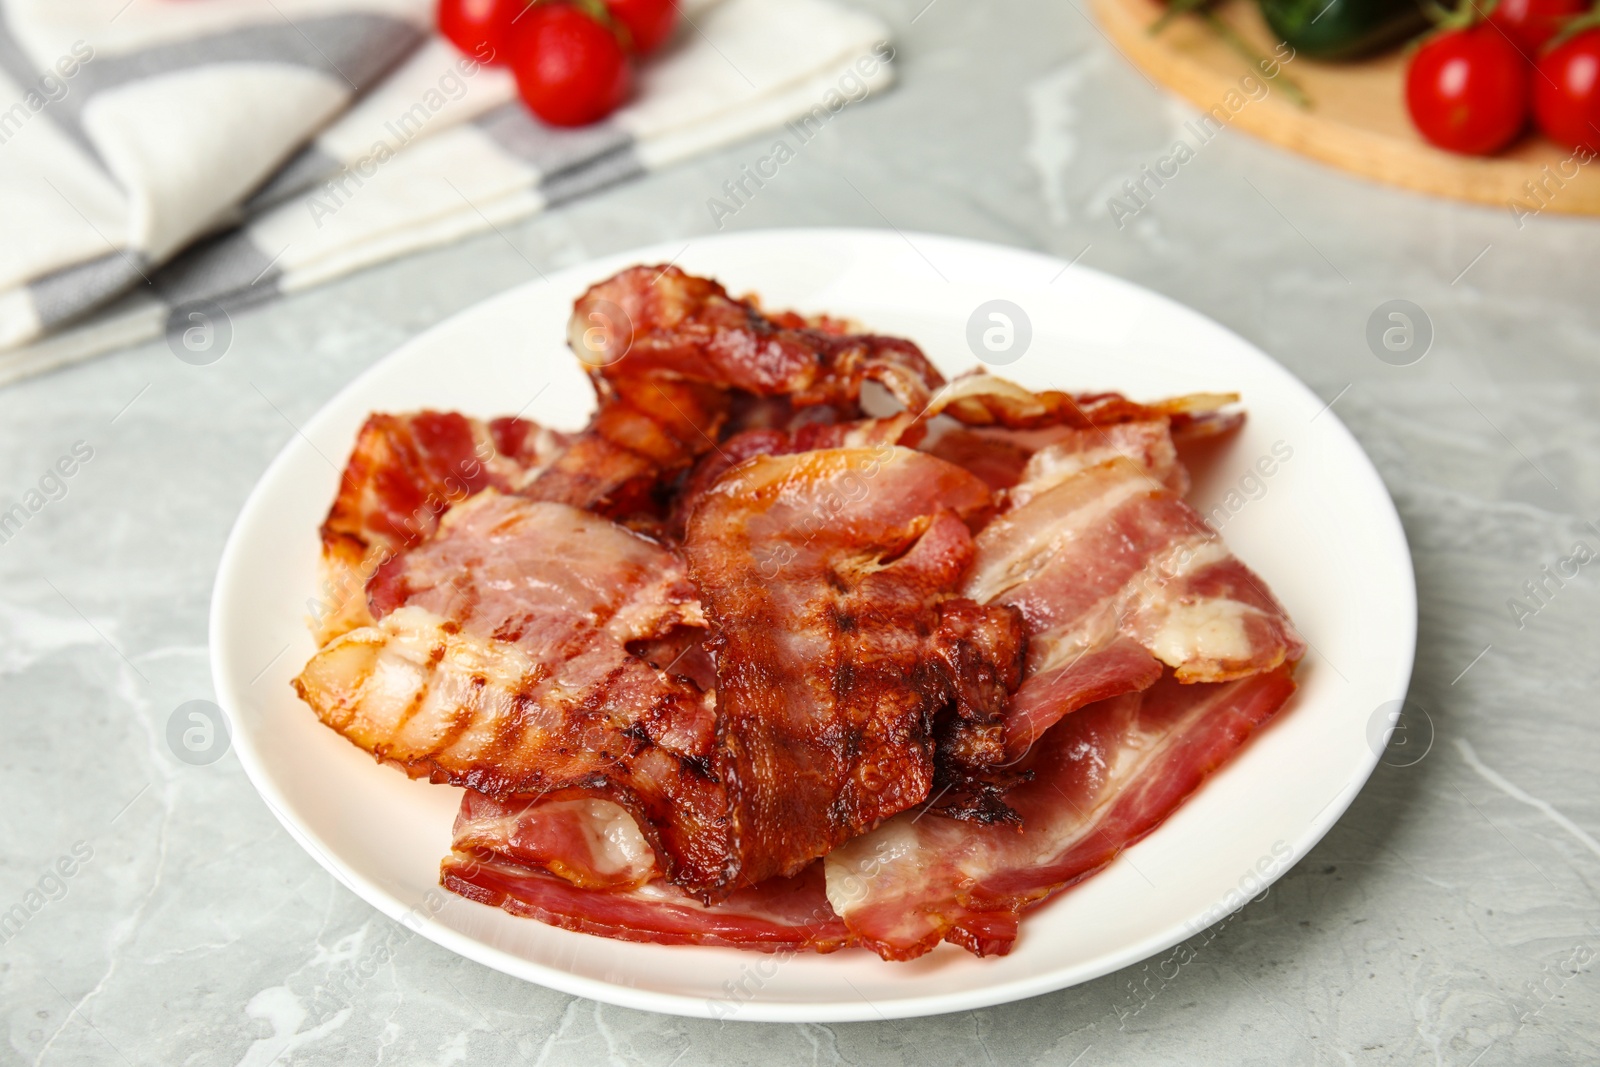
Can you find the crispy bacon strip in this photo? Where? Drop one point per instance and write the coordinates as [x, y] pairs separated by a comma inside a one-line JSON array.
[[1006, 434], [1110, 550], [1030, 443], [981, 399], [781, 914], [829, 578], [485, 714], [1115, 576], [689, 329], [501, 663], [670, 353], [404, 472], [1103, 779]]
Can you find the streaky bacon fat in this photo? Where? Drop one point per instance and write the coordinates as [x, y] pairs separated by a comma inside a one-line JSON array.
[[829, 579], [1102, 779]]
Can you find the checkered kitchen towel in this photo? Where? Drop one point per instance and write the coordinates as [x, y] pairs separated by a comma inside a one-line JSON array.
[[162, 155]]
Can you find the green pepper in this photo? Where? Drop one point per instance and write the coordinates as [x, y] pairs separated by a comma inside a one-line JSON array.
[[1343, 29]]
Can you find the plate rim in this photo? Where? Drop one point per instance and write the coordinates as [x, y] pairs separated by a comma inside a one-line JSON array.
[[220, 627]]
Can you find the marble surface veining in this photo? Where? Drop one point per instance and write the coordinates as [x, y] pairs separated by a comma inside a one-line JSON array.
[[1451, 917]]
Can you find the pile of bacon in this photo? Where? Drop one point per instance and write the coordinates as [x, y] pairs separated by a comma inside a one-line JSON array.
[[796, 645]]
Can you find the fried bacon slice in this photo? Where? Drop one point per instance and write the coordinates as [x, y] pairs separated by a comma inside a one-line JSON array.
[[404, 472], [780, 914], [807, 437], [1147, 443], [1102, 779], [671, 355], [829, 579], [1115, 576], [1008, 435], [577, 861], [519, 570], [982, 399], [576, 836], [689, 329], [501, 663]]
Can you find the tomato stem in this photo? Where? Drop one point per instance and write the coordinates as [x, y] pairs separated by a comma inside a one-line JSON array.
[[1466, 13], [597, 10], [1246, 50], [1574, 26]]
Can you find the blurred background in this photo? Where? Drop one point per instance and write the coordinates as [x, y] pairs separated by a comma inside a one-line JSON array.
[[1448, 918]]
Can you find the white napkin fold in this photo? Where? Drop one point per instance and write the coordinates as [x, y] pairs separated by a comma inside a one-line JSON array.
[[161, 160]]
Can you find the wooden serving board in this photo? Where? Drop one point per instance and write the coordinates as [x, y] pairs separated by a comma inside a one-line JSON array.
[[1357, 120]]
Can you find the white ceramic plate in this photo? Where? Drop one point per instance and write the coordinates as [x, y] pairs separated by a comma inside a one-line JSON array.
[[1320, 529]]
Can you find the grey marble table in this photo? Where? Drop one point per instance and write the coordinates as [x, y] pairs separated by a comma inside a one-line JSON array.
[[1450, 918]]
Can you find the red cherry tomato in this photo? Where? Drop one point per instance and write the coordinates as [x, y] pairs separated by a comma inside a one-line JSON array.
[[1467, 90], [1531, 23], [1566, 92], [570, 69], [649, 22], [480, 28]]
